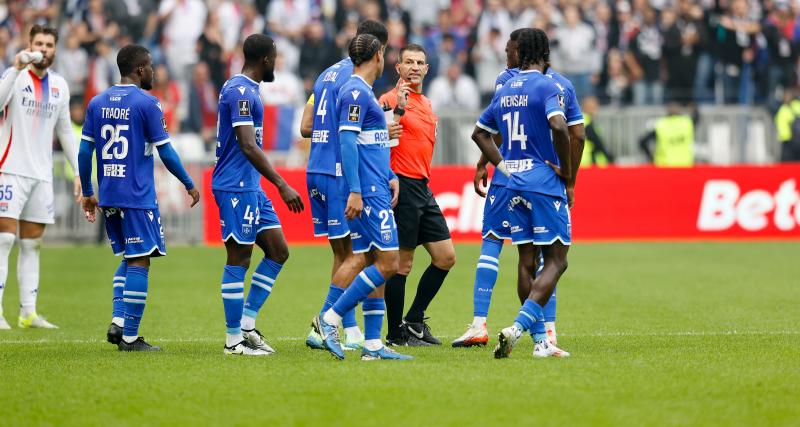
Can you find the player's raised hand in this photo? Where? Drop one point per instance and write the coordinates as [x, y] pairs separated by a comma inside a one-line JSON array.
[[195, 196], [557, 170], [77, 190], [89, 205], [291, 198], [354, 206], [480, 182], [395, 130], [394, 185]]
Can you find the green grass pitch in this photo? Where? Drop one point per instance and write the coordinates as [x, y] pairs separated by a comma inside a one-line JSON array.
[[661, 334]]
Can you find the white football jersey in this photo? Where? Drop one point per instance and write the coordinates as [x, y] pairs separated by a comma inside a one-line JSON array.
[[34, 110]]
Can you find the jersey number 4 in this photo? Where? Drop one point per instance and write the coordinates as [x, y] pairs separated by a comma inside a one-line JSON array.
[[516, 131], [116, 146], [323, 105]]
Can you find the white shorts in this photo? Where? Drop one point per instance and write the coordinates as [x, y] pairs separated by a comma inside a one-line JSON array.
[[26, 199]]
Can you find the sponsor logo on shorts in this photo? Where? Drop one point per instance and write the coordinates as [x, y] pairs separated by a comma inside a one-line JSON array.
[[333, 222], [150, 215], [221, 223], [557, 204], [367, 209], [354, 236], [133, 240], [506, 224], [516, 200], [315, 220], [516, 229], [491, 200], [539, 230], [234, 202]]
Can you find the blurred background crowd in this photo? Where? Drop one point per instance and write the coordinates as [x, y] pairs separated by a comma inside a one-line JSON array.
[[624, 52]]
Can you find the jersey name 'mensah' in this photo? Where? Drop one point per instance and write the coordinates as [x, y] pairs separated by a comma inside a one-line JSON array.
[[325, 156], [124, 123]]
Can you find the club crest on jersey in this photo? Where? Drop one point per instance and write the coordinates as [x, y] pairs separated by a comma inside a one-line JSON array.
[[244, 108], [355, 94], [234, 202], [55, 93], [353, 113], [164, 123], [367, 209], [241, 89], [560, 99], [28, 89], [557, 205], [150, 215]]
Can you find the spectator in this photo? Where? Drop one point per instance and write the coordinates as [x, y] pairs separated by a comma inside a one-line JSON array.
[[576, 57], [202, 117], [490, 57], [519, 15], [787, 123], [494, 16], [210, 49], [72, 63], [684, 40], [674, 139], [183, 22], [594, 148], [735, 36], [287, 18], [617, 80], [454, 90], [646, 49], [316, 54], [229, 12], [167, 92], [139, 17], [779, 31]]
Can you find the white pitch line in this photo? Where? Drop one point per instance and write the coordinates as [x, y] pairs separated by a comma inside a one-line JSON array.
[[289, 339]]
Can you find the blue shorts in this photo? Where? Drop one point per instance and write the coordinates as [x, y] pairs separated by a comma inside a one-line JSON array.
[[243, 215], [375, 228], [495, 213], [328, 195], [135, 233], [538, 218]]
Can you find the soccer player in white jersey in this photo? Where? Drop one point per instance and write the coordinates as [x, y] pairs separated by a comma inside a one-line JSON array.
[[35, 103]]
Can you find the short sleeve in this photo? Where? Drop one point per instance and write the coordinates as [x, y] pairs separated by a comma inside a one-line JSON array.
[[240, 105], [155, 124], [87, 133], [352, 109], [554, 100], [388, 98], [487, 119], [573, 111], [310, 100]]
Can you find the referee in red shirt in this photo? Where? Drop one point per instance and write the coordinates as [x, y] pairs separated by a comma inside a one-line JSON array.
[[419, 219]]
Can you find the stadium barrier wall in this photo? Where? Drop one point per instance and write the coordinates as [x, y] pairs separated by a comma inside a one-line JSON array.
[[636, 203]]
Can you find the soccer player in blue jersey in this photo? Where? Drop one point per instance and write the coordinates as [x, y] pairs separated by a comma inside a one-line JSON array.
[[246, 214], [327, 189], [125, 123], [364, 140], [495, 216], [528, 111]]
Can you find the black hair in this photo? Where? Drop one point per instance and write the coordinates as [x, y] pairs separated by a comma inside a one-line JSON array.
[[43, 29], [374, 28], [362, 48], [515, 34], [533, 47], [256, 47], [131, 57], [413, 47]]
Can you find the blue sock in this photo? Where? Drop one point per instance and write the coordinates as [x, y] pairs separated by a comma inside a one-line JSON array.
[[374, 309], [134, 296], [334, 292], [349, 318], [233, 297], [528, 315], [486, 276], [367, 281], [260, 287], [118, 306], [549, 309]]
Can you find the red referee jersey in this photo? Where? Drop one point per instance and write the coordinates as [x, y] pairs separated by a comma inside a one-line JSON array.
[[412, 158]]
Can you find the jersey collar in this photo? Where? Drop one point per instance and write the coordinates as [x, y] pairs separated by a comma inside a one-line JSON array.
[[362, 79], [124, 85], [248, 78], [529, 71]]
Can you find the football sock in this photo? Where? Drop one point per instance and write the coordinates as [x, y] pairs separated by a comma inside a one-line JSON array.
[[28, 274], [6, 243], [233, 302], [334, 292], [395, 294], [260, 288], [528, 315], [118, 306], [479, 321], [349, 319], [134, 297], [550, 326], [549, 309], [485, 277], [429, 285], [367, 281], [374, 309]]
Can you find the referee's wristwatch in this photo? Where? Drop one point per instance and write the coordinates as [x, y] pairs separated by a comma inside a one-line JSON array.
[[399, 111]]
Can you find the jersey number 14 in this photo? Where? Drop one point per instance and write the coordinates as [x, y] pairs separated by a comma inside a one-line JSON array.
[[516, 131]]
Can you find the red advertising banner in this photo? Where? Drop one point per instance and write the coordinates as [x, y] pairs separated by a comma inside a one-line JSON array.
[[642, 203]]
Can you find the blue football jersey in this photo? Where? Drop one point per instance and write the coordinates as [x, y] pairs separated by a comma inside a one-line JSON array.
[[325, 155], [520, 111], [239, 105], [359, 111], [498, 179], [125, 123], [572, 107], [504, 76]]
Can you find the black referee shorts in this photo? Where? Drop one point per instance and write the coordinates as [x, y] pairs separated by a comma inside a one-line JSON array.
[[419, 219]]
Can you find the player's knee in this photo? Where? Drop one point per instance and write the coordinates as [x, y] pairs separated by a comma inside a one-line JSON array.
[[404, 266], [388, 265], [30, 246], [445, 261], [562, 265], [280, 255]]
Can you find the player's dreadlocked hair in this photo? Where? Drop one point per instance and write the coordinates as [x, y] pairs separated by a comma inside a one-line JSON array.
[[533, 47], [362, 48], [515, 34], [375, 28]]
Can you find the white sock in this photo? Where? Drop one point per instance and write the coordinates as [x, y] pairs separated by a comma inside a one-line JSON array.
[[248, 323], [330, 317], [28, 274], [353, 333], [233, 339], [550, 326], [479, 322], [119, 321], [373, 345], [129, 340], [6, 243]]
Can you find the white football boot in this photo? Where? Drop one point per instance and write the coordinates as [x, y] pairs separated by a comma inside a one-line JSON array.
[[545, 349], [507, 339], [476, 335]]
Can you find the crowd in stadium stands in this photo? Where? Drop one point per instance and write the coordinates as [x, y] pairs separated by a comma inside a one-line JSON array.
[[625, 52]]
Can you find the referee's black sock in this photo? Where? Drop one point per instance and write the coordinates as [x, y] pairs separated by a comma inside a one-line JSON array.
[[395, 295], [429, 285]]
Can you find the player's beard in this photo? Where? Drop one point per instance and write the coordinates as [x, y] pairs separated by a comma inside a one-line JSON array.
[[47, 61], [268, 76], [147, 84]]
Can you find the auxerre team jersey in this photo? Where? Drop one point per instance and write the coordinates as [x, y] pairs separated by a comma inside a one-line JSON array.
[[239, 105], [521, 111], [33, 109], [359, 111], [325, 156], [124, 123], [572, 108]]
